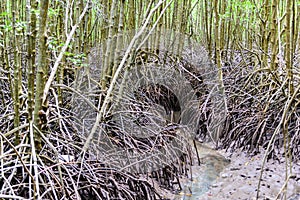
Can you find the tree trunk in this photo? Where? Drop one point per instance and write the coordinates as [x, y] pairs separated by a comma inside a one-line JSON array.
[[39, 109]]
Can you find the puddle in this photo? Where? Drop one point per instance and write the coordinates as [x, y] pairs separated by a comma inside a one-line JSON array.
[[212, 164]]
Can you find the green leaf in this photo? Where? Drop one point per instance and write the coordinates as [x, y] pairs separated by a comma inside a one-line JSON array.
[[68, 53], [3, 14]]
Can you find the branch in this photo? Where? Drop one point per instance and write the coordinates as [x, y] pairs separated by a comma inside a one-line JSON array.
[[116, 75], [61, 54]]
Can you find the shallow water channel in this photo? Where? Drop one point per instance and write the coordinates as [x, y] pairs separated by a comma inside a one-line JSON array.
[[212, 163]]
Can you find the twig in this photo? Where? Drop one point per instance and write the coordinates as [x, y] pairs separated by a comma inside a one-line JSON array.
[[283, 118], [107, 98], [62, 52]]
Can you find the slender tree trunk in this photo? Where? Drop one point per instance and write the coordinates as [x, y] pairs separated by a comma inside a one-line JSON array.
[[119, 40], [265, 32], [31, 44], [39, 110], [131, 15], [17, 70], [274, 38], [217, 35], [288, 46], [106, 73]]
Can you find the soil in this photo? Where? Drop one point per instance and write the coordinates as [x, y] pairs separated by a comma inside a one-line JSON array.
[[218, 179], [239, 180]]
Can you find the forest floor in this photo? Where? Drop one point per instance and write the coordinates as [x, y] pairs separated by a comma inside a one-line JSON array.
[[239, 180]]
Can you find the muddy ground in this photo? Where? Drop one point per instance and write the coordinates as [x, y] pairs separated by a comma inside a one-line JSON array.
[[239, 180], [220, 180]]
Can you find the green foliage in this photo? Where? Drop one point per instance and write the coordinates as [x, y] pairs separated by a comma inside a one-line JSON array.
[[4, 14], [53, 43], [247, 6], [76, 59], [21, 25], [7, 26], [53, 12]]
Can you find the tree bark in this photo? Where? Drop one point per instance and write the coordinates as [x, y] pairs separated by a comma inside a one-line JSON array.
[[39, 111]]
